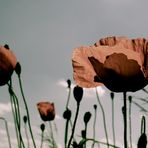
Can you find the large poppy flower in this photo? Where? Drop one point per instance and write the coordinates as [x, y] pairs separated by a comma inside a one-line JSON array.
[[7, 64], [46, 110], [121, 64]]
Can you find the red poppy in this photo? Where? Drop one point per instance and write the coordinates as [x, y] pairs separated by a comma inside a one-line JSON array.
[[7, 64], [121, 64], [46, 110]]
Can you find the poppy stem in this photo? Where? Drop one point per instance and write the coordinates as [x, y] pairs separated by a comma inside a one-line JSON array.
[[125, 119], [42, 136], [6, 125], [26, 133], [104, 120], [66, 132], [74, 125], [27, 111], [113, 124], [52, 137]]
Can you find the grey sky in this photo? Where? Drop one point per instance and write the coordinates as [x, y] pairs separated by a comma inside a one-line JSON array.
[[43, 34]]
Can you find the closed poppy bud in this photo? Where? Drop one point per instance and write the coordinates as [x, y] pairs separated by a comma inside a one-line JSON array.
[[78, 93], [119, 63], [46, 110], [67, 114], [69, 83], [42, 127], [18, 69], [112, 95], [25, 119], [87, 117], [142, 142], [95, 106], [7, 64], [130, 99]]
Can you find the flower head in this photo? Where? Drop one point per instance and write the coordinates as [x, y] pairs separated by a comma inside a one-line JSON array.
[[46, 110], [121, 64], [7, 64]]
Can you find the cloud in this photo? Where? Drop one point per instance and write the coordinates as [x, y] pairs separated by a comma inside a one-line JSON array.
[[5, 108]]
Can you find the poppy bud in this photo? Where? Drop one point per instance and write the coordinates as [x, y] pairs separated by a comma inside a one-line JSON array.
[[42, 127], [6, 46], [46, 110], [25, 119], [87, 117], [142, 142], [78, 93], [67, 114], [69, 83], [18, 69], [112, 95], [95, 106], [130, 99]]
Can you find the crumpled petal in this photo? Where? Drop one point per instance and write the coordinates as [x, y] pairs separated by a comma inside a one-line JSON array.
[[112, 59]]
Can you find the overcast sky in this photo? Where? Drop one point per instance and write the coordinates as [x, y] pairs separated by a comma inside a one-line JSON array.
[[43, 34]]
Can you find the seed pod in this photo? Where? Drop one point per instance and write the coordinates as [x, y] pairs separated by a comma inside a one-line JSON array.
[[78, 93]]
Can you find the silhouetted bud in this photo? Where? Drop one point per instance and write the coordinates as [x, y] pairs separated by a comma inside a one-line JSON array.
[[42, 127], [78, 93], [142, 142], [75, 145], [18, 69], [25, 119], [46, 110], [112, 95], [83, 134], [87, 117], [130, 99], [95, 106], [6, 46], [67, 114], [69, 83]]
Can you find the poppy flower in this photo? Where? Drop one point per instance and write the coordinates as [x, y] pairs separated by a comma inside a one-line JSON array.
[[8, 62], [46, 110], [119, 63]]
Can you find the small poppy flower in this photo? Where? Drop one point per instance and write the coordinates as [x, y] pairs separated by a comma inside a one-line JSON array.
[[119, 63], [46, 110], [8, 62]]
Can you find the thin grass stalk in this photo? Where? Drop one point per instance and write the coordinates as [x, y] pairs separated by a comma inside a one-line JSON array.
[[104, 120], [125, 119], [52, 136], [74, 125], [113, 123], [27, 111], [130, 123], [7, 130]]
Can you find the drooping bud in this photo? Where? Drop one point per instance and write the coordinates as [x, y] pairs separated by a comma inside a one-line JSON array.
[[78, 93], [18, 69], [87, 117], [142, 142]]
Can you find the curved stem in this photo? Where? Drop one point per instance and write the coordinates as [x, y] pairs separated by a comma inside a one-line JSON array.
[[74, 125], [26, 133], [68, 97], [27, 111], [8, 135], [104, 120], [52, 137]]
